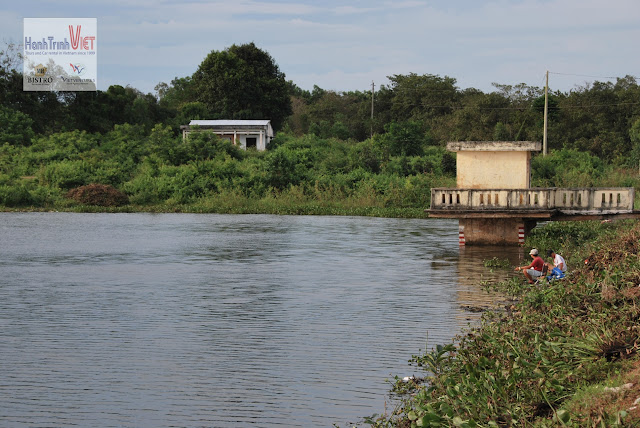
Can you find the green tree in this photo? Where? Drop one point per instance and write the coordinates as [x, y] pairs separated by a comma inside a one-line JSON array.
[[521, 121], [597, 118], [422, 97], [193, 111], [500, 132], [634, 134], [346, 114], [478, 116], [243, 82], [15, 127], [181, 90], [405, 139]]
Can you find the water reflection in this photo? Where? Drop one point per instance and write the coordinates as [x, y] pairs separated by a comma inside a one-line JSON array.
[[473, 277]]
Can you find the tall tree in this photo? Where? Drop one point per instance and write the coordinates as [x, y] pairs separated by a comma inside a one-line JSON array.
[[423, 97], [243, 82], [177, 93]]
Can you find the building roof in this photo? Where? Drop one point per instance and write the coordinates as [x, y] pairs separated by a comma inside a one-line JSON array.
[[228, 122]]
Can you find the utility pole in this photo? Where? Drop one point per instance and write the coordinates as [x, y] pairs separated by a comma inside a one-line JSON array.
[[546, 107], [373, 86]]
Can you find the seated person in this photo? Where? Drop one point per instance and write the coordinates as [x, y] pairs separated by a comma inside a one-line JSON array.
[[535, 269], [558, 261], [558, 268]]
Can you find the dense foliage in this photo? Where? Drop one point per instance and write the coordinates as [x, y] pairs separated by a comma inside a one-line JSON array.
[[206, 172]]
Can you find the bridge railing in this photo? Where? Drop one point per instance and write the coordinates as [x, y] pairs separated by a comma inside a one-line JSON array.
[[603, 199]]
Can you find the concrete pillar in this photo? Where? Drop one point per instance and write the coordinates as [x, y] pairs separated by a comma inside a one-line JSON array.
[[495, 231]]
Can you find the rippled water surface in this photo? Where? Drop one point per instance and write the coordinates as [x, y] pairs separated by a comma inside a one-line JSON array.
[[141, 320]]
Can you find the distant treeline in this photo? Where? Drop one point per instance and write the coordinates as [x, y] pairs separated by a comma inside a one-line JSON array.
[[244, 82]]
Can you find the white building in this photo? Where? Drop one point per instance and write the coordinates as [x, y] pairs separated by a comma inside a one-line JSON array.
[[242, 133]]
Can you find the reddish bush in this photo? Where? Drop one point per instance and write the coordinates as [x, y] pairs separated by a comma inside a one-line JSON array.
[[98, 194]]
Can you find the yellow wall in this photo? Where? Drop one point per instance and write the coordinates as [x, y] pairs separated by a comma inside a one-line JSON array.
[[493, 170]]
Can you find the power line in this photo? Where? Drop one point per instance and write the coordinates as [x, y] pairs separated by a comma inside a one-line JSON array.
[[599, 105], [585, 75]]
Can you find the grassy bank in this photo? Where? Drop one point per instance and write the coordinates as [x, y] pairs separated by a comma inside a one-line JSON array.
[[257, 208], [565, 355], [280, 204]]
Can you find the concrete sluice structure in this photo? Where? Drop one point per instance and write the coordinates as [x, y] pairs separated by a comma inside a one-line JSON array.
[[496, 205]]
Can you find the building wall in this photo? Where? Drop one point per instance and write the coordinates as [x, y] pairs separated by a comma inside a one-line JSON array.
[[240, 137], [261, 143], [493, 170]]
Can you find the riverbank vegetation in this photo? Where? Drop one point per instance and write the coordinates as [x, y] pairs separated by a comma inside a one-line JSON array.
[[298, 175], [566, 354], [328, 157], [159, 172]]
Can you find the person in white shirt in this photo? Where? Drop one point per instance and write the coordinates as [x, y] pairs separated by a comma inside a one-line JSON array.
[[558, 261]]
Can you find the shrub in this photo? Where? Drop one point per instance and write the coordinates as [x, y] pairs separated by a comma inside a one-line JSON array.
[[15, 127], [567, 168], [369, 154], [207, 145], [285, 167], [448, 164], [15, 196], [406, 138], [66, 174]]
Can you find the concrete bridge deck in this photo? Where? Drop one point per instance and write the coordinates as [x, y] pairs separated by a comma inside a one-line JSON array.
[[539, 203], [505, 216]]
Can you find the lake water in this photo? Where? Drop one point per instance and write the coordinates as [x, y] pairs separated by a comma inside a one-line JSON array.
[[161, 320]]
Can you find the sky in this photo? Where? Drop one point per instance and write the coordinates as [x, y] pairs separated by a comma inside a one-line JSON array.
[[347, 45]]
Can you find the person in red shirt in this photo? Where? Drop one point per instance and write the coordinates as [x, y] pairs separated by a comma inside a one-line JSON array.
[[534, 270]]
